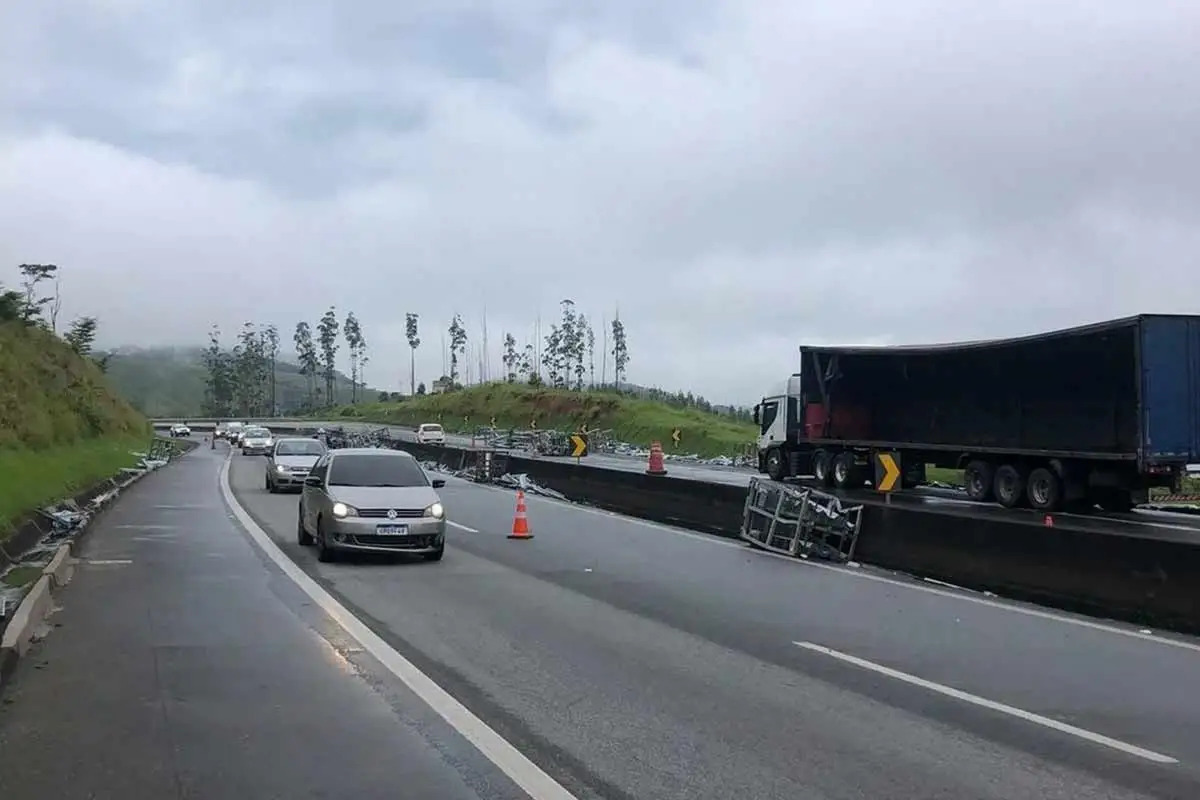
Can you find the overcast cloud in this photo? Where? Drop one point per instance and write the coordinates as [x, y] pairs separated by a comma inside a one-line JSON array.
[[737, 177]]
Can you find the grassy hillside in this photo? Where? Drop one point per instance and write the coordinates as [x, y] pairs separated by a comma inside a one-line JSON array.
[[62, 427], [634, 420], [170, 382]]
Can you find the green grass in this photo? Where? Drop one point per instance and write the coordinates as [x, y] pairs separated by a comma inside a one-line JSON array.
[[62, 427], [631, 419], [953, 477], [34, 478], [20, 577]]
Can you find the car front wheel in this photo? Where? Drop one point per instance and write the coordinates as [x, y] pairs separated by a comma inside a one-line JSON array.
[[325, 553]]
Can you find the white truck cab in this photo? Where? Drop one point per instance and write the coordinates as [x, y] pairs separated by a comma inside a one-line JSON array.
[[776, 417]]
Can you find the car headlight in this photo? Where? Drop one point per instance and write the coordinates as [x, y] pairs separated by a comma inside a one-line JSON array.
[[436, 510], [341, 510], [280, 468]]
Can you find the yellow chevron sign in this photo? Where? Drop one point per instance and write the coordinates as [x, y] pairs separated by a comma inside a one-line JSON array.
[[579, 445], [887, 471]]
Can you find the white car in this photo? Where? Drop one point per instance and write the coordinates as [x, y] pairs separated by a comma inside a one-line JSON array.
[[180, 430], [431, 433], [257, 442]]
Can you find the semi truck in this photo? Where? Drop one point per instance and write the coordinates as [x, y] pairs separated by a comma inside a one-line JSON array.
[[1092, 416]]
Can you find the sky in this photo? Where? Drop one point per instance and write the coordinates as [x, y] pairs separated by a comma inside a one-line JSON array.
[[737, 178]]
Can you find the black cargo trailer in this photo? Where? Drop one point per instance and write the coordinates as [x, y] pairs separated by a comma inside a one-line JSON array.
[[1095, 415]]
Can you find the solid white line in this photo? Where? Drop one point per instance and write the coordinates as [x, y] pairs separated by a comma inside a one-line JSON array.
[[531, 778], [460, 526], [992, 705]]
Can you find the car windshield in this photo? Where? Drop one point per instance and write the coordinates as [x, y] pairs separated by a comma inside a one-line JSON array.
[[432, 428], [376, 470], [299, 447], [257, 433]]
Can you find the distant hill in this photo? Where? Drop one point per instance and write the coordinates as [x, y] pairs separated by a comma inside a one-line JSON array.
[[170, 381]]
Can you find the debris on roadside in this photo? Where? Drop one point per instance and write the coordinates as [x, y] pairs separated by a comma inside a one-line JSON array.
[[61, 521], [524, 483]]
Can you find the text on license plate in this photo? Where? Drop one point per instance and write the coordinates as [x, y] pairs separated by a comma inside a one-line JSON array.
[[391, 530]]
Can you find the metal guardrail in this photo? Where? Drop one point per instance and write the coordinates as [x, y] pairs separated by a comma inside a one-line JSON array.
[[798, 521]]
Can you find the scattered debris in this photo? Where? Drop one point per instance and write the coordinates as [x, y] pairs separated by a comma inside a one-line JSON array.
[[800, 522], [522, 481]]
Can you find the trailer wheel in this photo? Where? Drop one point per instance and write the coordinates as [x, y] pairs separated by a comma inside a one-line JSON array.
[[776, 468], [822, 469], [845, 471], [1009, 486], [980, 477], [1045, 490]]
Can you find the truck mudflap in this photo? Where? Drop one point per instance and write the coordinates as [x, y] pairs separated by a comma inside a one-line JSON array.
[[799, 521]]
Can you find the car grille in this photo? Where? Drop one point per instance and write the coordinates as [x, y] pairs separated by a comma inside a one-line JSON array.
[[393, 542], [381, 513]]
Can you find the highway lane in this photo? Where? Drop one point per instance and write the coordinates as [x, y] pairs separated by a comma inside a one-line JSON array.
[[183, 664], [1171, 522], [638, 661]]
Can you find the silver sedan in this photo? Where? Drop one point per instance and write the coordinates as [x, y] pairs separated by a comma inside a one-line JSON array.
[[290, 461], [369, 499]]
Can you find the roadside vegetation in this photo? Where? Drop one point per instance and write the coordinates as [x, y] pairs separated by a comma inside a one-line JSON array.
[[574, 375], [62, 428], [631, 419]]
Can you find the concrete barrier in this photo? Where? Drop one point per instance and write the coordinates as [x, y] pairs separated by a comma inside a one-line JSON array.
[[1141, 573]]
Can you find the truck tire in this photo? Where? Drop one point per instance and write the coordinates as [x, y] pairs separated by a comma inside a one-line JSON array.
[[776, 464], [980, 478], [823, 467], [1044, 490], [845, 471], [1009, 486]]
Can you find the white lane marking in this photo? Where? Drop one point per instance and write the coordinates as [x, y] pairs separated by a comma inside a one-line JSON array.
[[911, 585], [529, 776], [992, 705], [460, 526]]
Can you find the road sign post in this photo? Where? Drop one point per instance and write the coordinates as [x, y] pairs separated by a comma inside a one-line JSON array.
[[888, 469], [579, 446]]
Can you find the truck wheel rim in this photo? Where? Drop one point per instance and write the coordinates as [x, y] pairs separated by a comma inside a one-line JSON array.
[[840, 472], [1040, 489]]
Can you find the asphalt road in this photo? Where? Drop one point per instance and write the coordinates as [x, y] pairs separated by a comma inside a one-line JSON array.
[[631, 660], [182, 664]]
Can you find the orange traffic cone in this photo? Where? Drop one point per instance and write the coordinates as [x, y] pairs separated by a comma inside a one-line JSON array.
[[655, 467], [520, 522]]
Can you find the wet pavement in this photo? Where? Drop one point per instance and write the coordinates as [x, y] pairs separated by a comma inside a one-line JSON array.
[[641, 661], [183, 664]]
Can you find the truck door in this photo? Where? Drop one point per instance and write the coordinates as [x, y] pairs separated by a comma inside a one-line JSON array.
[[767, 418]]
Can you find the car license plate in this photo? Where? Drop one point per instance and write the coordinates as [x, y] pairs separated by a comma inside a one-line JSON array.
[[392, 530]]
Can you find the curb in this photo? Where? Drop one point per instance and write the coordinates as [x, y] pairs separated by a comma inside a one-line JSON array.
[[18, 636], [39, 601]]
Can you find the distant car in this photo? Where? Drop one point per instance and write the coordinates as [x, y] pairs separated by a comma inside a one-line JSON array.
[[180, 430], [370, 499], [256, 442], [233, 431], [290, 461], [431, 433]]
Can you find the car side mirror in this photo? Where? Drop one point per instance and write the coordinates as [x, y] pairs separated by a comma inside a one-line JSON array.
[[313, 480], [438, 483]]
